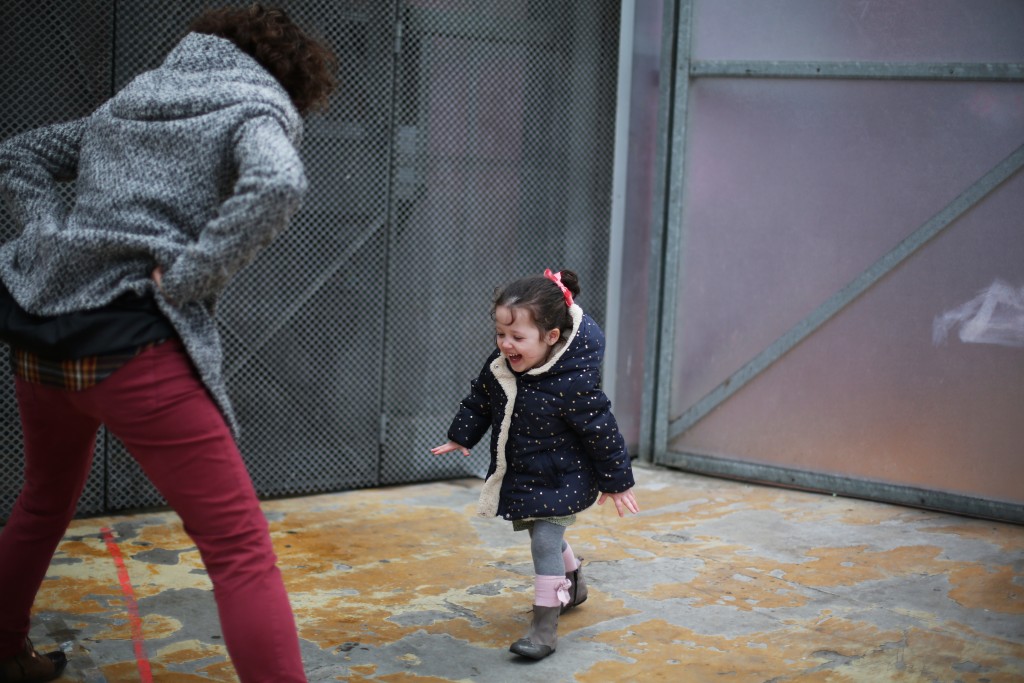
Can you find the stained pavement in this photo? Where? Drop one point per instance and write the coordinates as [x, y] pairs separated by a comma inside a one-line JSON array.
[[714, 581]]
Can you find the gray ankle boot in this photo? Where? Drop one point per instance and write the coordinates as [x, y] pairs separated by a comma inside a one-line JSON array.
[[542, 637], [578, 592]]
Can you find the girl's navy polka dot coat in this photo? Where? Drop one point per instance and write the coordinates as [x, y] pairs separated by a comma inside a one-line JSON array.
[[555, 443]]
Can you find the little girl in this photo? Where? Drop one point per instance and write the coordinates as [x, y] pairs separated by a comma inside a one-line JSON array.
[[555, 445]]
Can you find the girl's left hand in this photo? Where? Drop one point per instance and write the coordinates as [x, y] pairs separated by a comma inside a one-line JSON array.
[[623, 501]]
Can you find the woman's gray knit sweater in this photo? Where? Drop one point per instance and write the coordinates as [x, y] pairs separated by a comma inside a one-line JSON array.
[[193, 167]]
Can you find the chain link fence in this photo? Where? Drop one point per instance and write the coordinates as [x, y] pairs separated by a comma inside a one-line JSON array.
[[470, 142]]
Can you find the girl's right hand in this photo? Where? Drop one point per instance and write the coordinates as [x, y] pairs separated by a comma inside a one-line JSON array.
[[448, 448]]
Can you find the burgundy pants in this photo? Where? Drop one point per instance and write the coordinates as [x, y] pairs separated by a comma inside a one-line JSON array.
[[158, 408]]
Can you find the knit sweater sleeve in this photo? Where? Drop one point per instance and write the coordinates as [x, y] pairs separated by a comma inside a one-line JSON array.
[[31, 166], [269, 187]]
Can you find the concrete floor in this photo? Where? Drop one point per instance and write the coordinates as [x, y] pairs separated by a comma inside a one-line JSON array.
[[714, 581]]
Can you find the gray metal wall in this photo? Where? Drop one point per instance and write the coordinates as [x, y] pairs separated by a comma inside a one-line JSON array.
[[840, 249], [469, 143]]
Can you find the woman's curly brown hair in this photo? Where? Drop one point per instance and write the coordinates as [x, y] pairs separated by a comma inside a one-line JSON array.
[[304, 66]]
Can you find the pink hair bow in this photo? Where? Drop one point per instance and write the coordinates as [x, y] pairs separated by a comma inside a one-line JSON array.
[[557, 279]]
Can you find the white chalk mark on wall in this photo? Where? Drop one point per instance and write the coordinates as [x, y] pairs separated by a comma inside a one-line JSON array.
[[995, 316]]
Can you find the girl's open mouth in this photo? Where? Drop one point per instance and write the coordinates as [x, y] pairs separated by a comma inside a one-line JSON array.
[[514, 357]]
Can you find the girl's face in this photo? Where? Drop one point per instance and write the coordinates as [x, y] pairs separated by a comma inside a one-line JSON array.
[[519, 340]]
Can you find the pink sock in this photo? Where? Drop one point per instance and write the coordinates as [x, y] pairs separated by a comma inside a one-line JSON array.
[[551, 591], [569, 558]]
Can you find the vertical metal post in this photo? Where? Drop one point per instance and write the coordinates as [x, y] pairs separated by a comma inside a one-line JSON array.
[[667, 234], [657, 229], [620, 171]]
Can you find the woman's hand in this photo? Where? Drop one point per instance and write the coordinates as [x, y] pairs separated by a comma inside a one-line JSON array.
[[448, 448], [623, 501], [158, 278]]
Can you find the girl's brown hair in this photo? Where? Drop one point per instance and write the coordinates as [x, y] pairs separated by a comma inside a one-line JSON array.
[[303, 65], [542, 298]]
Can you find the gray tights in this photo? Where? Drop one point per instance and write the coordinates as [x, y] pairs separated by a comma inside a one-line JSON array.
[[547, 545]]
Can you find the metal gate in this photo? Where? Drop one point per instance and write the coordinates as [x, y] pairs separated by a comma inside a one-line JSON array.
[[469, 143], [843, 268]]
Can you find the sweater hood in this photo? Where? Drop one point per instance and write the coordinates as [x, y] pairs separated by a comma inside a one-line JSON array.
[[203, 74]]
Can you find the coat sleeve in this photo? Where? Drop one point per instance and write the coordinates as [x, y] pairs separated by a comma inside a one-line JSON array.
[[474, 416], [32, 164], [270, 184], [588, 412]]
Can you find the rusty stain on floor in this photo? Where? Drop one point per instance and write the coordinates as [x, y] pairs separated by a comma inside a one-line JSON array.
[[714, 581]]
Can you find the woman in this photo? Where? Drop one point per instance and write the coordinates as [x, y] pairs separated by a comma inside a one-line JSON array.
[[181, 178]]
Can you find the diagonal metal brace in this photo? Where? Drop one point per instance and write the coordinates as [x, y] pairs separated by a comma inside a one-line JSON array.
[[311, 290], [883, 266]]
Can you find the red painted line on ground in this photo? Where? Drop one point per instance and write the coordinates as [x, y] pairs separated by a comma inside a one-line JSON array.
[[145, 673]]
